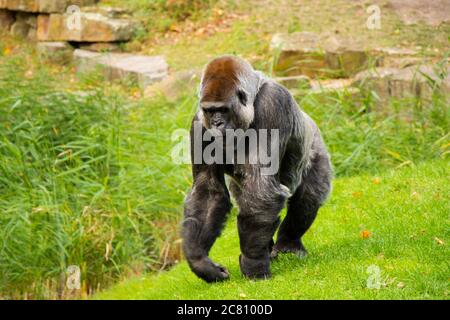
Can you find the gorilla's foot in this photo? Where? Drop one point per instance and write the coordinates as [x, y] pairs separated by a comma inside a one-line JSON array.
[[255, 268], [208, 270], [293, 246]]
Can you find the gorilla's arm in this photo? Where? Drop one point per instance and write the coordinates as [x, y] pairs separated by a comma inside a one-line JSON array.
[[205, 211]]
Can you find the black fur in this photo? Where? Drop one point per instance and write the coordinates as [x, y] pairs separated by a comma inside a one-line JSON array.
[[303, 181]]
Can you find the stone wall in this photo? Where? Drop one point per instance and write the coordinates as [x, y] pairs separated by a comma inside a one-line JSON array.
[[49, 20]]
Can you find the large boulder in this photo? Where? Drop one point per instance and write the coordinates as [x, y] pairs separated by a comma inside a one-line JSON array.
[[93, 27], [345, 57], [299, 53], [306, 53], [47, 6], [142, 69]]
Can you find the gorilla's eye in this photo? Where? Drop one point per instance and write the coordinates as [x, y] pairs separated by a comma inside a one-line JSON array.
[[242, 96]]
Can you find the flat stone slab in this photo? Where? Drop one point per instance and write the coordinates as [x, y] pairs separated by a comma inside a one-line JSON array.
[[143, 69], [93, 27], [46, 6]]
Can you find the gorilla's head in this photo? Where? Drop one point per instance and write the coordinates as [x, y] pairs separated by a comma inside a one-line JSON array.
[[227, 92]]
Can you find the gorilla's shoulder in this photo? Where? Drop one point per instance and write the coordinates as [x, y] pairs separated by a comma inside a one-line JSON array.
[[273, 92]]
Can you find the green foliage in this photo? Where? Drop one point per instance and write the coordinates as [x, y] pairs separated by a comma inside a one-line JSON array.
[[62, 194], [406, 133]]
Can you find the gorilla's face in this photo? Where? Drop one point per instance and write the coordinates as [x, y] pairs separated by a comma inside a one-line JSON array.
[[231, 114], [217, 115]]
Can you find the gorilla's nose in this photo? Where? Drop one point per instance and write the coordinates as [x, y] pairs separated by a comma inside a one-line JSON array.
[[218, 124]]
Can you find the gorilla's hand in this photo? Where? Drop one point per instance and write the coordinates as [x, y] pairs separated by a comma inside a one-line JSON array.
[[255, 268], [209, 270]]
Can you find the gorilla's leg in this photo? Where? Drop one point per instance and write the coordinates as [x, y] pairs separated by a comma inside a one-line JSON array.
[[303, 207], [260, 204], [206, 208], [301, 213]]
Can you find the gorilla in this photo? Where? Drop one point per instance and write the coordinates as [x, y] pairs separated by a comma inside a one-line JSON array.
[[233, 96]]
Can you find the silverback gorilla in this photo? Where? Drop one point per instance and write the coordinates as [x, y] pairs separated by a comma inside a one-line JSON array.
[[234, 96]]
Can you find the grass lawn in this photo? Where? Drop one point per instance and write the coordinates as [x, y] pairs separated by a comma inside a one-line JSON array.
[[397, 221]]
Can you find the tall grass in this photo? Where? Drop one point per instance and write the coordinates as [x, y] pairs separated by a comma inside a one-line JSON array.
[[86, 179], [78, 186], [407, 132]]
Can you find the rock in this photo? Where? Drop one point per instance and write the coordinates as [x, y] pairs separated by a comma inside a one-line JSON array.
[[6, 19], [176, 85], [432, 13], [294, 82], [412, 82], [306, 53], [45, 6], [100, 46], [345, 57], [28, 18], [24, 26], [20, 29], [111, 12], [142, 69], [94, 27], [20, 5], [299, 54], [60, 6], [57, 52], [397, 57]]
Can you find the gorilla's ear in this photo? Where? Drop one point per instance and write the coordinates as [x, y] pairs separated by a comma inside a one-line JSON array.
[[242, 96]]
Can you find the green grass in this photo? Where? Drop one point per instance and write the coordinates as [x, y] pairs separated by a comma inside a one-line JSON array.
[[407, 214]]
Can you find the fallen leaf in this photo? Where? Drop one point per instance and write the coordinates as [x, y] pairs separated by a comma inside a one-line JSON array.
[[242, 295], [439, 241], [357, 194], [400, 285], [376, 180], [365, 234]]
